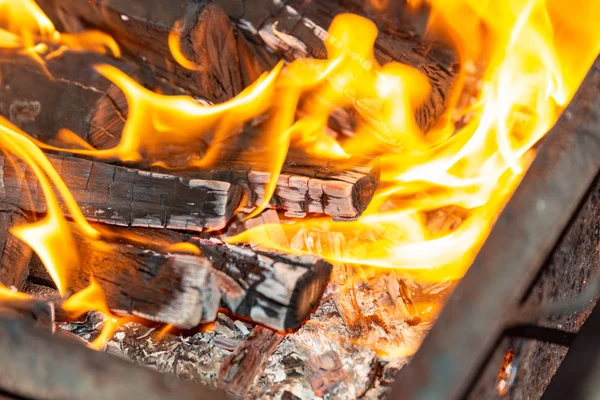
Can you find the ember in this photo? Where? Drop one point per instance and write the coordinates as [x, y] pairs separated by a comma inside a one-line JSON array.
[[309, 180]]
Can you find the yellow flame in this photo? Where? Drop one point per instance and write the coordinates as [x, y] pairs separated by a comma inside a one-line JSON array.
[[24, 25], [535, 54], [175, 47]]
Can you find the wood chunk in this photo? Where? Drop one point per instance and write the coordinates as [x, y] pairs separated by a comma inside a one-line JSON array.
[[70, 99], [304, 186], [268, 221], [271, 288], [171, 288], [275, 289], [325, 371], [125, 196], [247, 360], [307, 22], [226, 62], [14, 254]]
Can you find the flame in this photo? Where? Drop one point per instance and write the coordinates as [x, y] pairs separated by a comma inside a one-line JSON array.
[[24, 25], [175, 48], [441, 190]]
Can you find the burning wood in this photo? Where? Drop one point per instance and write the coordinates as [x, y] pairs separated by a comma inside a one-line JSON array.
[[275, 289], [247, 360], [220, 61], [298, 28], [125, 196], [14, 254]]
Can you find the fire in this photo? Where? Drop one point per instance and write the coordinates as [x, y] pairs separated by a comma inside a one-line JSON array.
[[532, 56], [24, 25], [530, 49]]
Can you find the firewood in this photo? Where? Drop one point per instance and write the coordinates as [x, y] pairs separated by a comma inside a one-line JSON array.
[[14, 254], [86, 103], [126, 196], [275, 289], [143, 280], [307, 23], [224, 63], [305, 186], [178, 289], [267, 287], [241, 367]]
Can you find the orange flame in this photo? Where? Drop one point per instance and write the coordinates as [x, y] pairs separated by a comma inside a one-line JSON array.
[[24, 25], [530, 49]]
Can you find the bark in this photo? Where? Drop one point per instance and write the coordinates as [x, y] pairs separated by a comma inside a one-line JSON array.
[[226, 61], [247, 360], [126, 196], [308, 21]]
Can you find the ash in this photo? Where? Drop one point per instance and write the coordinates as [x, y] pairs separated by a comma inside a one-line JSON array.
[[334, 355]]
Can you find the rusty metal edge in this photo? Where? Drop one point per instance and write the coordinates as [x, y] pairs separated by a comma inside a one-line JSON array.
[[36, 365], [473, 319]]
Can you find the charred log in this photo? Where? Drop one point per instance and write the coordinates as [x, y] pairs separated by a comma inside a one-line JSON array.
[[304, 186], [223, 62], [275, 289], [266, 287], [308, 21], [125, 196]]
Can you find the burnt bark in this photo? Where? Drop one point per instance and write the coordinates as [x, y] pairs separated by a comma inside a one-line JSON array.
[[125, 196], [247, 360], [308, 22], [267, 287], [225, 62]]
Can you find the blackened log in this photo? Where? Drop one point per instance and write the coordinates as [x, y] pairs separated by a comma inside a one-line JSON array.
[[275, 289], [125, 196], [14, 254], [247, 360], [308, 22], [226, 62], [268, 287], [143, 280], [37, 365], [172, 288], [83, 101], [74, 97], [342, 191]]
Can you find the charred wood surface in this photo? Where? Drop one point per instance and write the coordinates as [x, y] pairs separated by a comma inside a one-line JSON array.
[[173, 288], [308, 22], [267, 287], [304, 186], [38, 365], [247, 360], [14, 254], [274, 289], [125, 196], [224, 61]]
